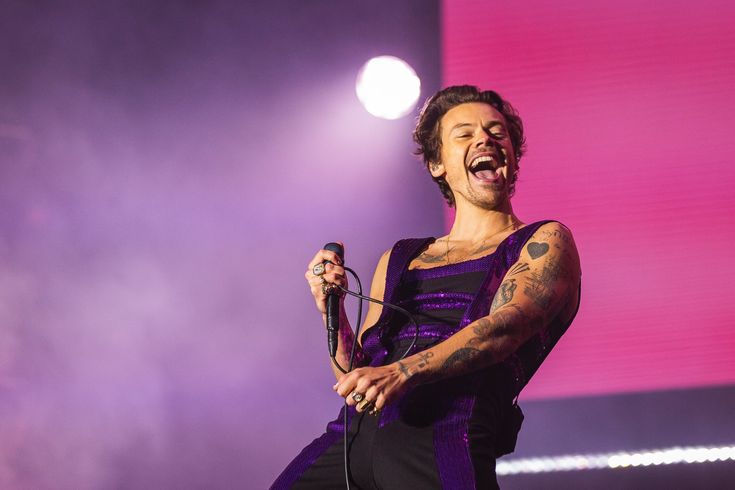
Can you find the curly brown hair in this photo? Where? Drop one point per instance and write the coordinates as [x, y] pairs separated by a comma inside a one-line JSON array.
[[427, 134]]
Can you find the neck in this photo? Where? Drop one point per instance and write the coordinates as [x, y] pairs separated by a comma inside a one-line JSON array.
[[472, 223]]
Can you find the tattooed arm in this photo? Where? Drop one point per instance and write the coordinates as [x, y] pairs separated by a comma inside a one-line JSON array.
[[535, 289], [540, 285]]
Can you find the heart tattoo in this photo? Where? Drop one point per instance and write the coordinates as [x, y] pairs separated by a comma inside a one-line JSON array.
[[536, 250]]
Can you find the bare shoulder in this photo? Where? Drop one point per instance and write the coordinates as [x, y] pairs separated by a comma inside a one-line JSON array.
[[551, 260], [377, 291], [556, 240], [381, 269], [557, 233], [385, 258]]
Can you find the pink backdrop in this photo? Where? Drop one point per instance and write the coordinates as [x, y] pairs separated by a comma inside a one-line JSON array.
[[629, 116]]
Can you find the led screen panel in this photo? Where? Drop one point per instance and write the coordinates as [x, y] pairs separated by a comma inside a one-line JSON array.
[[628, 109]]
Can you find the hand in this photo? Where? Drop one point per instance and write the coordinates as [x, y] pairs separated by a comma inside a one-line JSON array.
[[379, 385], [334, 273]]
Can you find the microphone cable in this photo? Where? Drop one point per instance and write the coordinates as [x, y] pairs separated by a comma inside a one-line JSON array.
[[362, 297]]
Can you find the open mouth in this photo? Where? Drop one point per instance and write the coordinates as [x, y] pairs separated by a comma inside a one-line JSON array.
[[486, 168]]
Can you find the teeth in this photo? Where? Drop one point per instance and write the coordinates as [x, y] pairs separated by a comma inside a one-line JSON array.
[[481, 159]]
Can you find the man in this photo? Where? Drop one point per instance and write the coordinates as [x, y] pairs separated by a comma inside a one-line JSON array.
[[491, 298]]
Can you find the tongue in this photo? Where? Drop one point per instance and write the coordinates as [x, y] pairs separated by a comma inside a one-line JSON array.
[[486, 175]]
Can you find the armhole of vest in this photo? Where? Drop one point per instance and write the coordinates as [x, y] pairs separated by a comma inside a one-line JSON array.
[[400, 256]]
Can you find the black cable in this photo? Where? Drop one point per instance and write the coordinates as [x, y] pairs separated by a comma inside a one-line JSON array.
[[389, 305], [361, 297], [349, 368], [357, 328], [394, 307]]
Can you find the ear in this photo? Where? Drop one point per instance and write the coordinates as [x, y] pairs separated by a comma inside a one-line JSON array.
[[436, 169]]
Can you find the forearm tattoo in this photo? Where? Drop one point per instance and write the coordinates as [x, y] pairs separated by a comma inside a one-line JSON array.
[[500, 327], [460, 360], [404, 370], [424, 358]]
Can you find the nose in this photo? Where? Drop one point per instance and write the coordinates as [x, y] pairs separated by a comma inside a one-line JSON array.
[[485, 140]]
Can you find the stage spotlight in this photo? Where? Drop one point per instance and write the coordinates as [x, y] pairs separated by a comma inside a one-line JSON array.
[[388, 87]]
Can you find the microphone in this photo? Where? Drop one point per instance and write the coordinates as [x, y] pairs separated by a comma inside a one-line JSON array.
[[333, 305]]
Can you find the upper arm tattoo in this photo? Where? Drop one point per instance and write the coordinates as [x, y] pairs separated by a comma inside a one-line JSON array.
[[537, 249], [504, 294], [561, 234], [518, 268], [540, 285]]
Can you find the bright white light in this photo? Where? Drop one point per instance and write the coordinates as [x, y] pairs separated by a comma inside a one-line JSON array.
[[616, 460], [388, 87]]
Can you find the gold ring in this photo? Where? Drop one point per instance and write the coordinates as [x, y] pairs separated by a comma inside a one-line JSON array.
[[366, 406]]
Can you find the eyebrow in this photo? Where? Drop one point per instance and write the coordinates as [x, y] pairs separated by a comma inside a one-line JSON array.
[[463, 125]]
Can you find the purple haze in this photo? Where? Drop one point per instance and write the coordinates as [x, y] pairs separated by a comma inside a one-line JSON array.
[[168, 169]]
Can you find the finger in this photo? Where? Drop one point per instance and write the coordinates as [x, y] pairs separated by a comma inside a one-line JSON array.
[[345, 386], [359, 393], [364, 406], [363, 385], [332, 276], [315, 280], [309, 274], [352, 398], [310, 269], [349, 401], [336, 275], [337, 269], [372, 393], [335, 279], [379, 402], [324, 256], [315, 285], [333, 257], [330, 256]]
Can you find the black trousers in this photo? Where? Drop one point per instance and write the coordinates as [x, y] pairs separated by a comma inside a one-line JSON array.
[[395, 457]]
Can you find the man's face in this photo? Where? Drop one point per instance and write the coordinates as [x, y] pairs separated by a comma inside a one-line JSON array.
[[477, 158]]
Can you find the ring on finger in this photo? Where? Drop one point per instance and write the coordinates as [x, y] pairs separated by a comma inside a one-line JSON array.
[[328, 288], [366, 405], [318, 269], [357, 396]]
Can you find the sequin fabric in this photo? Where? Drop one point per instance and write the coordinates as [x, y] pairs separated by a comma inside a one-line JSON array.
[[386, 339]]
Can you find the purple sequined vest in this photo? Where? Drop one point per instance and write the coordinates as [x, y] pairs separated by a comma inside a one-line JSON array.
[[451, 429]]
